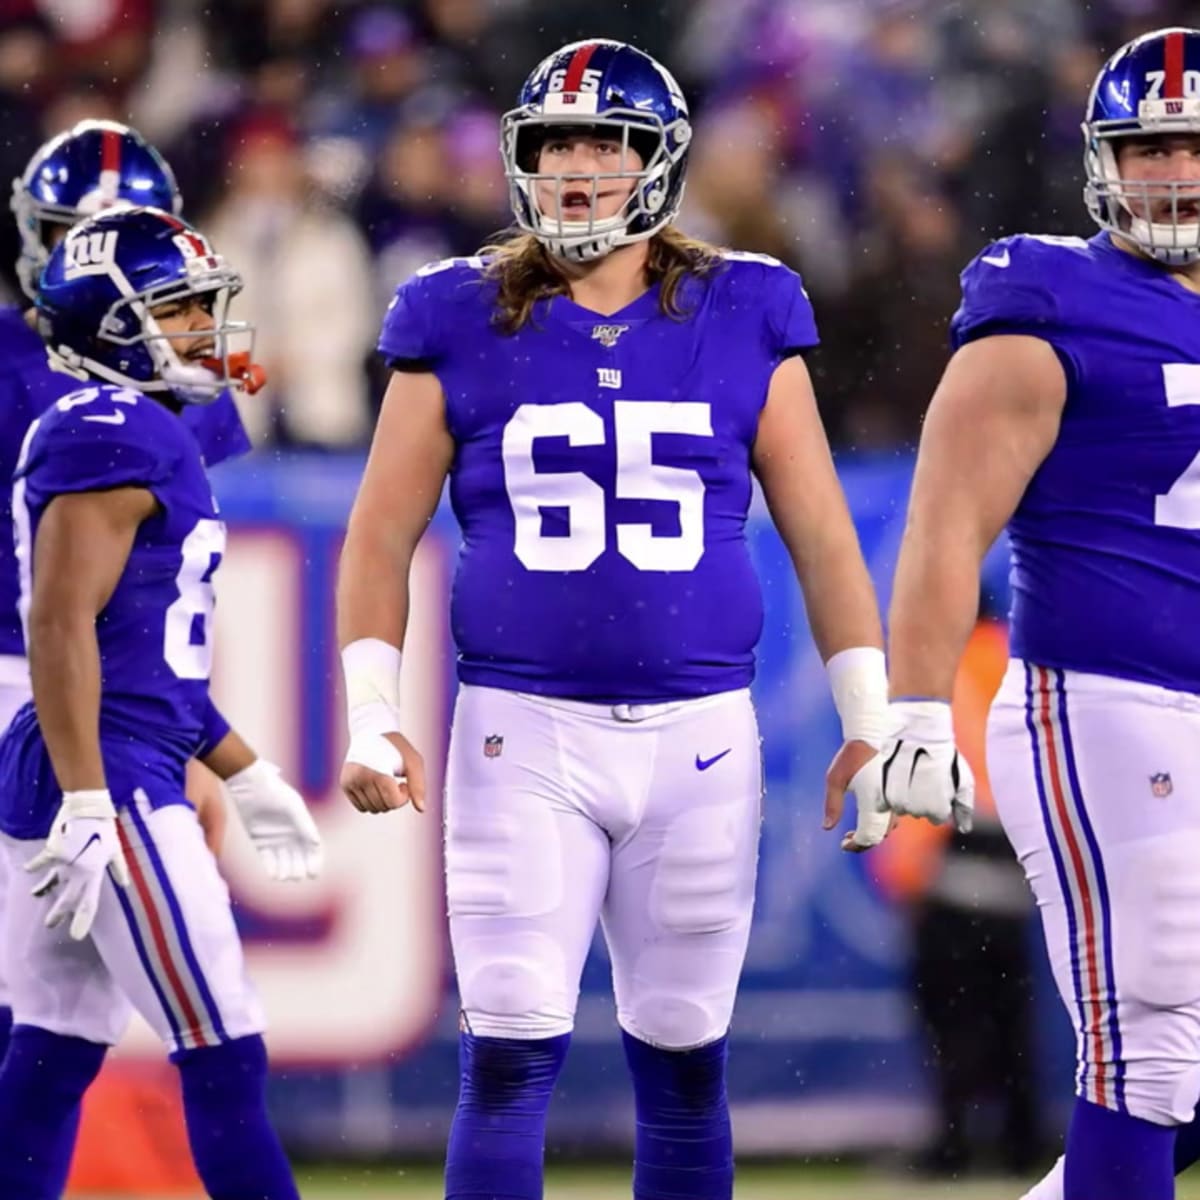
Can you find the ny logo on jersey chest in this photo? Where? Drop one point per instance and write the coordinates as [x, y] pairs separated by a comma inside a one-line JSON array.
[[608, 377]]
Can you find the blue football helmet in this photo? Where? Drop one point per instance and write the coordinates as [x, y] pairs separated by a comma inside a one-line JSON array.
[[91, 167], [1150, 86], [599, 86], [96, 297]]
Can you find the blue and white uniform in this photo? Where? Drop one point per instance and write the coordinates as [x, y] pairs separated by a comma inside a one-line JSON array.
[[1094, 739], [604, 759]]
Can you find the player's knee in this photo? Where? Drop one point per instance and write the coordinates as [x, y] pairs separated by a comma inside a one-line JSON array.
[[521, 993], [1164, 1090], [673, 1022], [1163, 960], [507, 987], [703, 883]]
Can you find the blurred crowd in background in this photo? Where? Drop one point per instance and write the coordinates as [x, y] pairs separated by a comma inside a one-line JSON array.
[[330, 148]]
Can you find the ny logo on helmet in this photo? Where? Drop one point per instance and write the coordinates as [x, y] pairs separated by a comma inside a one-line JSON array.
[[90, 253]]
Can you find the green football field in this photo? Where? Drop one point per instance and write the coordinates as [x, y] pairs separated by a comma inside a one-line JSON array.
[[777, 1182]]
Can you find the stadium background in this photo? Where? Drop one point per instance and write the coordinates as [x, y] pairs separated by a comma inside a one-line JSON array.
[[331, 148]]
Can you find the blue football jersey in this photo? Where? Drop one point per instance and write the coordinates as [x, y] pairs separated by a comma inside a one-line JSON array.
[[1106, 540], [154, 632], [28, 387], [602, 476]]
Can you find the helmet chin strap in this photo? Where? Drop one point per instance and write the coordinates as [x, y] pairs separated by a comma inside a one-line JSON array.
[[579, 241], [193, 383], [1159, 241]]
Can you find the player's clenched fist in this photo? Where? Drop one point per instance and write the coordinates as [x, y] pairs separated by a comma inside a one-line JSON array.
[[383, 771], [923, 773]]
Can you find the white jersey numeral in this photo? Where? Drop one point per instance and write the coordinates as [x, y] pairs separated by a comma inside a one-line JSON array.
[[187, 635], [638, 477], [1179, 508]]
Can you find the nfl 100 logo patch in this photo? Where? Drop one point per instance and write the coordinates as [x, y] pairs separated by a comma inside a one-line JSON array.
[[493, 745], [608, 335], [1161, 785]]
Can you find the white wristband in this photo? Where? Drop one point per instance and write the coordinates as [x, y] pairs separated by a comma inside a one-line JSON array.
[[372, 670], [858, 679], [89, 802]]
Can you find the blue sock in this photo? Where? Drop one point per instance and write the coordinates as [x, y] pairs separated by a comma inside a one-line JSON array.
[[684, 1148], [42, 1080], [1113, 1156], [1187, 1145], [234, 1145], [498, 1138]]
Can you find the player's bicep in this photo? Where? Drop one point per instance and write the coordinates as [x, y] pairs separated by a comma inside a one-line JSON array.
[[992, 420], [411, 454], [83, 543], [792, 461]]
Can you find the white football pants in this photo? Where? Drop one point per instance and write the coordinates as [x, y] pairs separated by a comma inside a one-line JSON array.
[[1097, 782], [644, 816], [166, 945]]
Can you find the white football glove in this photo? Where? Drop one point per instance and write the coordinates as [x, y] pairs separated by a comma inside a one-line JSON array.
[[278, 822], [83, 845], [923, 773], [874, 818]]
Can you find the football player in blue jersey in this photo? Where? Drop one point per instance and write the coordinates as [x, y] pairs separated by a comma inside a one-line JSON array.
[[93, 166], [1070, 413], [118, 539], [601, 392]]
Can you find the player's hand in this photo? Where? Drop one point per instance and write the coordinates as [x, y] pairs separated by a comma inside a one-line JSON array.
[[383, 771], [857, 768], [83, 845], [277, 820], [923, 773]]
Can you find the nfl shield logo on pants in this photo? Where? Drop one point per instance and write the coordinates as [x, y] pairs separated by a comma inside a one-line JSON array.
[[493, 744], [1160, 784]]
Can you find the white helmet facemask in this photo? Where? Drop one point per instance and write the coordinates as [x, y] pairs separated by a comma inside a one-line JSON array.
[[582, 235]]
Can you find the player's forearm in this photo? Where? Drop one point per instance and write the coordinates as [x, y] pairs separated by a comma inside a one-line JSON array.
[[64, 663], [372, 587], [839, 596], [935, 603]]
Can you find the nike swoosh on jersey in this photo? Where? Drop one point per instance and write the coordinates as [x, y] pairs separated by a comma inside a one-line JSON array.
[[998, 260], [116, 418], [702, 764]]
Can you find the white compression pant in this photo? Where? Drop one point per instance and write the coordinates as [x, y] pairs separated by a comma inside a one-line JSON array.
[[646, 817]]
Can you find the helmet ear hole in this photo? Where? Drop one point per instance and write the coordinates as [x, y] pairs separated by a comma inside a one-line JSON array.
[[529, 144]]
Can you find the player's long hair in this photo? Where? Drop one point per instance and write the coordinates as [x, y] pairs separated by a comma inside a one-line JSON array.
[[526, 273]]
